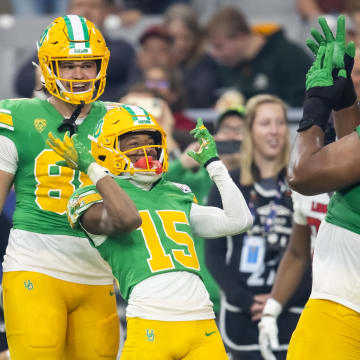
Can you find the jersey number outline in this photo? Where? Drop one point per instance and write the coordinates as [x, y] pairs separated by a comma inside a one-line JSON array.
[[55, 183], [159, 260]]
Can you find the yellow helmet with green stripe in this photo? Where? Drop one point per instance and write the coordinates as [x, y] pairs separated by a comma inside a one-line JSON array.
[[72, 38], [122, 120]]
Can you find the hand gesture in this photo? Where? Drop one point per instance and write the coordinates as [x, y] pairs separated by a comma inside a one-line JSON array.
[[72, 150], [338, 60], [341, 51], [207, 149]]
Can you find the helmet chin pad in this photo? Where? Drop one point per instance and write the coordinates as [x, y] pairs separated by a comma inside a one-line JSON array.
[[149, 163]]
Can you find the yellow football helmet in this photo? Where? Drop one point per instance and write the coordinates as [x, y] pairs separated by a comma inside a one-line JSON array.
[[72, 38], [105, 144]]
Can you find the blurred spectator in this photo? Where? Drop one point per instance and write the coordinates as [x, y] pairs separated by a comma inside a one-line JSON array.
[[355, 74], [121, 53], [353, 26], [184, 170], [280, 12], [189, 55], [257, 60], [245, 265], [39, 7], [151, 101], [229, 134], [169, 83], [133, 10], [154, 49], [230, 98], [311, 9]]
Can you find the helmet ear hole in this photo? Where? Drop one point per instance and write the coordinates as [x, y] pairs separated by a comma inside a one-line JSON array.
[[102, 157]]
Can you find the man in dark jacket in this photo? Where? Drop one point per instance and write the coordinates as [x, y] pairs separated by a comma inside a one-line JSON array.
[[257, 60]]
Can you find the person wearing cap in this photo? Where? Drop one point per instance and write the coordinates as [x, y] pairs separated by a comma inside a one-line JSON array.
[[155, 45]]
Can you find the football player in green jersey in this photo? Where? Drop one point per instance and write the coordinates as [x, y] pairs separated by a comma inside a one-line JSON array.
[[58, 291], [169, 313], [329, 326]]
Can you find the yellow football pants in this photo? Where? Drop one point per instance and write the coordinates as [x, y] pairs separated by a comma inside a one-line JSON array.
[[171, 340], [326, 331], [52, 319]]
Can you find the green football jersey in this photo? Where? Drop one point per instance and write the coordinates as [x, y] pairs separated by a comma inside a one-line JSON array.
[[163, 243], [42, 187], [344, 207]]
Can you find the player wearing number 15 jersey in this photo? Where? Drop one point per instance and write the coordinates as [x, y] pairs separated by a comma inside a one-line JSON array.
[[169, 313], [58, 291]]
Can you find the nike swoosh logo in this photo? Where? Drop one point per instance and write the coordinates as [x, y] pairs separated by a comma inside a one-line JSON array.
[[210, 333]]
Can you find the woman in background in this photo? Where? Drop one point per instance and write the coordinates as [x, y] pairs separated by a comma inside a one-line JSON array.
[[245, 265]]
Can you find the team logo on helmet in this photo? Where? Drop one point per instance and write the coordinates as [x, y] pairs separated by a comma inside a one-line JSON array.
[[98, 128]]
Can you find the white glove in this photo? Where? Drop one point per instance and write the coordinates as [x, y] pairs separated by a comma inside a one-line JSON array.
[[268, 330]]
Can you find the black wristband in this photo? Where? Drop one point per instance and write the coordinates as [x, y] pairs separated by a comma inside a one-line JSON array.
[[316, 110], [348, 96], [211, 160]]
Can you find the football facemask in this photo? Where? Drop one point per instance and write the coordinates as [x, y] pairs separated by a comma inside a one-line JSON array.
[[73, 38], [120, 122]]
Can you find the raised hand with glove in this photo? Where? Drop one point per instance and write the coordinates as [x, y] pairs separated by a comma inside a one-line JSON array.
[[343, 58], [207, 152], [327, 79], [268, 329], [76, 156]]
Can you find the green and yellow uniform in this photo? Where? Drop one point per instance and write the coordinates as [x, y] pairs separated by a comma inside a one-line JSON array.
[[50, 269]]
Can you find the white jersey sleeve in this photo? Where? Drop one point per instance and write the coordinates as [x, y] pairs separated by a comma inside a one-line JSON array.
[[234, 218], [8, 155]]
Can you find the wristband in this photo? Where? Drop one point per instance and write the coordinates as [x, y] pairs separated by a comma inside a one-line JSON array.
[[215, 158], [348, 96], [272, 308], [316, 111], [96, 172]]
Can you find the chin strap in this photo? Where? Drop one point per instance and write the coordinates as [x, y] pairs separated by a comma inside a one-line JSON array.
[[69, 124]]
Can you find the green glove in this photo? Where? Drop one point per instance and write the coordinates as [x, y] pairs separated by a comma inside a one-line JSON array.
[[320, 73], [340, 63], [207, 152], [340, 48], [76, 155]]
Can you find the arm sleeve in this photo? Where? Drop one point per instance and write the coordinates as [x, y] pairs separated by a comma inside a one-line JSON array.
[[217, 261], [8, 155], [234, 218]]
